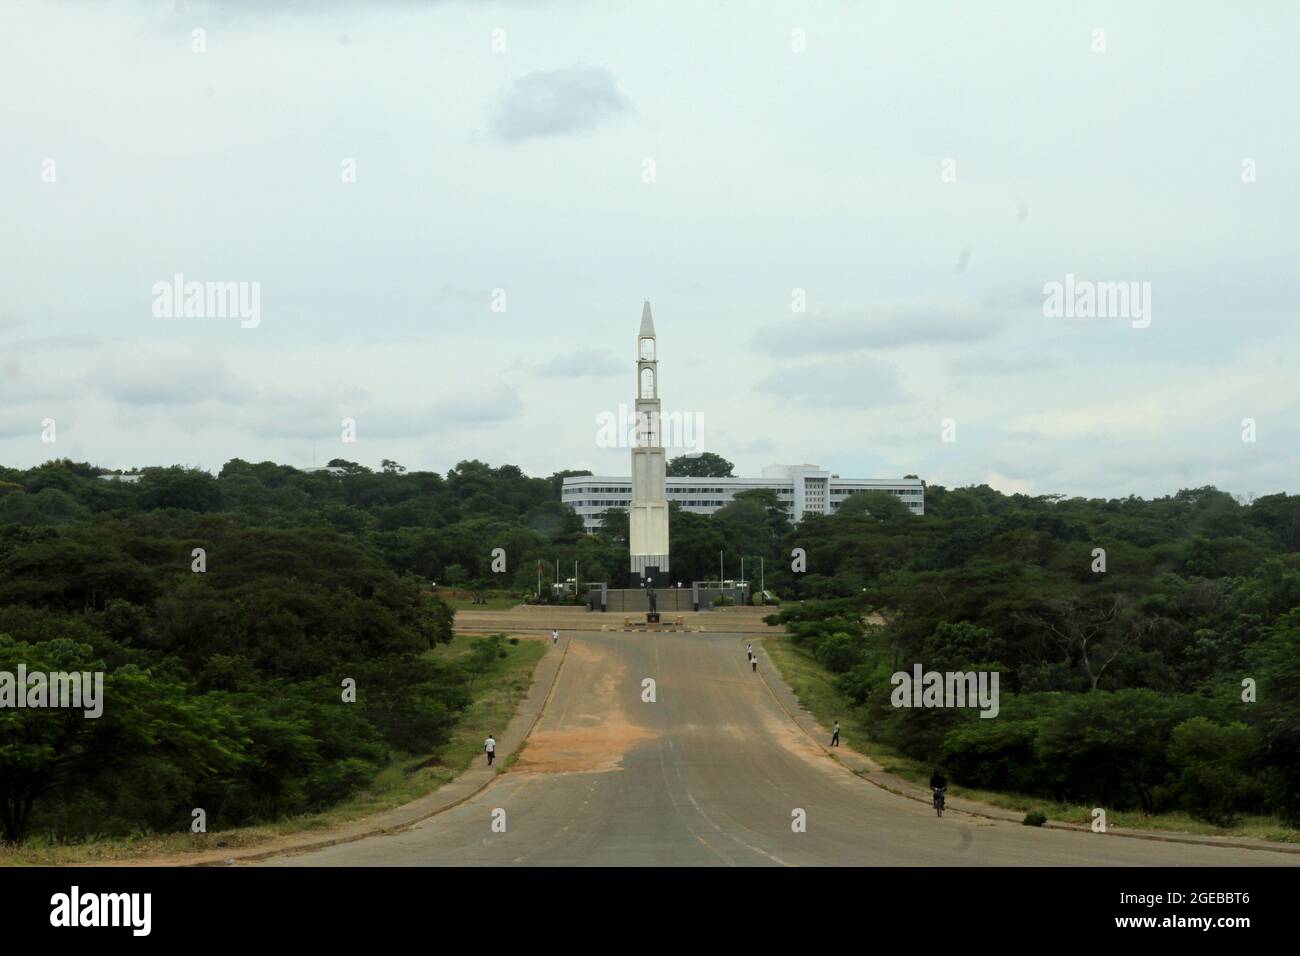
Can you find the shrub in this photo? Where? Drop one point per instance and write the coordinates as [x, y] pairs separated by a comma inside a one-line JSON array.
[[1035, 818], [839, 652], [1110, 748], [1213, 769], [994, 754]]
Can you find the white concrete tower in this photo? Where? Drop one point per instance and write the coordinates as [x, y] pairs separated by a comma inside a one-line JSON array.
[[648, 512]]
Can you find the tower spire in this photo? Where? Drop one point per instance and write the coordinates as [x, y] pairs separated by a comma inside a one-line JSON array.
[[647, 322]]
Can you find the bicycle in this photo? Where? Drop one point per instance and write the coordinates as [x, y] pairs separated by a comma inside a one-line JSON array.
[[939, 793]]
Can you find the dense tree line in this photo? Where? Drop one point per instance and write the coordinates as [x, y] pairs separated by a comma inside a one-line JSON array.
[[1162, 674], [224, 685], [223, 689], [1121, 686]]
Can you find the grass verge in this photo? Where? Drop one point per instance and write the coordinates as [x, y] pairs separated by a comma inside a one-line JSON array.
[[815, 688]]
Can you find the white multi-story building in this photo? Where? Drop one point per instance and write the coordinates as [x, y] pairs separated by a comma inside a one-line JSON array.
[[803, 489]]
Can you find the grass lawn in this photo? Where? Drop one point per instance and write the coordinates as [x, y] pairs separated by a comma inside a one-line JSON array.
[[497, 695], [815, 688]]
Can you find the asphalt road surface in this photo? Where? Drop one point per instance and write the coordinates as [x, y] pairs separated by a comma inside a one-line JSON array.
[[711, 774]]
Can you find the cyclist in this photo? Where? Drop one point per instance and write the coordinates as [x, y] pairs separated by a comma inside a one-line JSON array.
[[940, 787]]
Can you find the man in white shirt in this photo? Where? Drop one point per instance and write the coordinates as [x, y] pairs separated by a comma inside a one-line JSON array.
[[555, 636], [491, 746], [749, 649], [753, 659]]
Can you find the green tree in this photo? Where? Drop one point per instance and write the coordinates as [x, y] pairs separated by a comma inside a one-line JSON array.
[[1213, 769], [48, 750], [614, 524], [877, 504], [705, 464], [186, 488]]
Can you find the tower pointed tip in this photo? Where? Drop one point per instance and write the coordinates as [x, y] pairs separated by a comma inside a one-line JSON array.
[[647, 321]]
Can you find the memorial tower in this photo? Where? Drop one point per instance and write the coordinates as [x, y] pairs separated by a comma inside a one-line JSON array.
[[648, 512]]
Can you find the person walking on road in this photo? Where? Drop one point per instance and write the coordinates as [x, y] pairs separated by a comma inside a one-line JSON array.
[[749, 649], [753, 660], [490, 745], [835, 737], [555, 636]]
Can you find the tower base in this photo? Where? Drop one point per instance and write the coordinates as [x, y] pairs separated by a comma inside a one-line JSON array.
[[649, 570], [649, 576]]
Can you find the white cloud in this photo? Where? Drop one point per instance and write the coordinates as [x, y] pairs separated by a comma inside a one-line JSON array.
[[1008, 486], [582, 365], [557, 103], [166, 375], [774, 171], [844, 384], [887, 326], [994, 363]]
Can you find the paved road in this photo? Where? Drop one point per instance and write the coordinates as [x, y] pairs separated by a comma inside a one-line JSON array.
[[709, 774]]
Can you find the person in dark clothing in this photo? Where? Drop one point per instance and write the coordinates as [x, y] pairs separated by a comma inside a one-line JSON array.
[[835, 737], [939, 788]]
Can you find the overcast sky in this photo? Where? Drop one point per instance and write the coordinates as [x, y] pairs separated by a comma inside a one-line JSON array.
[[919, 170]]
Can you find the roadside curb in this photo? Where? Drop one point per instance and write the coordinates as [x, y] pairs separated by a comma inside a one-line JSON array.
[[256, 856], [1009, 816], [406, 825], [555, 678]]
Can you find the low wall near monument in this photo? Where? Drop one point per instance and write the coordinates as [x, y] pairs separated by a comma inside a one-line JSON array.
[[668, 600], [634, 600], [706, 596]]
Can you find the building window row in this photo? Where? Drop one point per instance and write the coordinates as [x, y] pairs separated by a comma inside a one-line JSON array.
[[893, 491]]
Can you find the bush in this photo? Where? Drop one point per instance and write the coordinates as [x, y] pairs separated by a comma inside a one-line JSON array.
[[858, 684], [958, 646], [1035, 818], [994, 754], [839, 652], [1109, 748], [1213, 773]]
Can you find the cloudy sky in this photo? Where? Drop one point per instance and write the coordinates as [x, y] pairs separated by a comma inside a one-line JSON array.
[[843, 213]]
